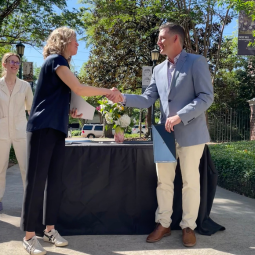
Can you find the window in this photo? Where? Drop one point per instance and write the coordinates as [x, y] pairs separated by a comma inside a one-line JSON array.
[[87, 127], [98, 128]]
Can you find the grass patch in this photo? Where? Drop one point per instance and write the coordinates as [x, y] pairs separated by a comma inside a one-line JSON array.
[[133, 135]]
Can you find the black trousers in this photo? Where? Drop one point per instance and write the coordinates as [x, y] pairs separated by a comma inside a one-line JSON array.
[[46, 149]]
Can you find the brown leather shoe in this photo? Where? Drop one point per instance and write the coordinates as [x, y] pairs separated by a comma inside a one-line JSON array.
[[188, 237], [158, 233]]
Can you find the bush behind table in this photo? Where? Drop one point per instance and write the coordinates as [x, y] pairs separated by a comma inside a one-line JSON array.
[[76, 133]]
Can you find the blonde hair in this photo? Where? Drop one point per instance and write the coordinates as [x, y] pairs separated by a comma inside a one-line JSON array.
[[4, 60], [57, 41]]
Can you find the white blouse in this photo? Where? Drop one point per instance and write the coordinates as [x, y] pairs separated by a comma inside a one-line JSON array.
[[13, 120]]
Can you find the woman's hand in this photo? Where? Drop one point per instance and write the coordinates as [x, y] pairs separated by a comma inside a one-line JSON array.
[[115, 96], [74, 115]]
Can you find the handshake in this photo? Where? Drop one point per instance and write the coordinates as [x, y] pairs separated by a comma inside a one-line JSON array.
[[115, 96]]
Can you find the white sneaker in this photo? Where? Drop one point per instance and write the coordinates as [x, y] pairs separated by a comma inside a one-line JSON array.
[[54, 237], [33, 246]]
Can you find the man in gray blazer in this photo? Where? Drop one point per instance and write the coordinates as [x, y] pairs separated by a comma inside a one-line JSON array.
[[183, 85]]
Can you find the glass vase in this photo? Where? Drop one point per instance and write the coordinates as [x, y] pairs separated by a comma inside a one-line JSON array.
[[119, 135]]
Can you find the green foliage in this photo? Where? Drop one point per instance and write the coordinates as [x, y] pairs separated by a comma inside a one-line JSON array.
[[122, 34], [235, 163], [234, 83], [76, 133], [4, 49], [93, 100], [12, 157], [239, 5], [133, 135], [31, 21]]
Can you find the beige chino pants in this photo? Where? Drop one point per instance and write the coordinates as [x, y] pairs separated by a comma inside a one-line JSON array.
[[189, 163], [20, 148]]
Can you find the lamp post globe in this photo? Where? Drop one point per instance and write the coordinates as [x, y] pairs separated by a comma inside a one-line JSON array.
[[154, 56], [20, 51]]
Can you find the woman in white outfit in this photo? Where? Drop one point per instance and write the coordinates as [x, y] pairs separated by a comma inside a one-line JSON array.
[[15, 97]]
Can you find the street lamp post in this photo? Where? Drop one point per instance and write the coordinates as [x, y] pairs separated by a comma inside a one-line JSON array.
[[20, 50], [154, 58]]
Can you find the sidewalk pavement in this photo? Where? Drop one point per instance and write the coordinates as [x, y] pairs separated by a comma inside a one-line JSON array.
[[235, 212]]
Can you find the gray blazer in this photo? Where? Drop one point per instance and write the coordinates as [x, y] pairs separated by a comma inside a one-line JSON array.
[[189, 96]]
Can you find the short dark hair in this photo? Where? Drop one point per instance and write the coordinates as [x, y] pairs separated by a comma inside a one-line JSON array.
[[175, 29]]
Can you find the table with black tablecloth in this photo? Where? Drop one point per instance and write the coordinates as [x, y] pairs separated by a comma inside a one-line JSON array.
[[110, 188]]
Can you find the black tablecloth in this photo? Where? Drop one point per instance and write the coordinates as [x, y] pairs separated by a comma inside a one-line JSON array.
[[111, 189]]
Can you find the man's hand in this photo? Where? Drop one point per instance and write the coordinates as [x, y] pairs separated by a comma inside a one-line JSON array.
[[74, 115], [171, 122], [115, 96]]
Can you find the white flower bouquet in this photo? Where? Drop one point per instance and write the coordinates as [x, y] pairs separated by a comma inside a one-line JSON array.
[[116, 115]]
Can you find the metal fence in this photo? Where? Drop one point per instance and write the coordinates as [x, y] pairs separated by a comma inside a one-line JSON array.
[[226, 125]]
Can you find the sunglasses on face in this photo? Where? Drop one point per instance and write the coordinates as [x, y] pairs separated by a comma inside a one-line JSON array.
[[12, 62]]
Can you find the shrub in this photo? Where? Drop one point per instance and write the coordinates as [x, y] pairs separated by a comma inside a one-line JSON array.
[[235, 163], [76, 132]]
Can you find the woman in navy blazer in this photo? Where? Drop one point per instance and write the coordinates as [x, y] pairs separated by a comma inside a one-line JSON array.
[[46, 131]]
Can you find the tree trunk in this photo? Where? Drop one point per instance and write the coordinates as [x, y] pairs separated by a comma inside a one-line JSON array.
[[140, 121], [9, 9], [149, 122], [101, 118], [219, 47]]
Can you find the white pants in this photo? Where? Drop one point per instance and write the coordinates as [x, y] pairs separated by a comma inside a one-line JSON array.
[[20, 148], [189, 163]]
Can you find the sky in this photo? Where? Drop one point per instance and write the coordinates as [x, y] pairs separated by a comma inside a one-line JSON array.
[[35, 55]]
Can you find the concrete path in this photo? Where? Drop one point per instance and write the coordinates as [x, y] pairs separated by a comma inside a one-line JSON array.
[[235, 212]]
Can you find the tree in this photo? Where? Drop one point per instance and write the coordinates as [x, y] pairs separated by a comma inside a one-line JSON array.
[[122, 34], [3, 50], [121, 46], [235, 80], [31, 21]]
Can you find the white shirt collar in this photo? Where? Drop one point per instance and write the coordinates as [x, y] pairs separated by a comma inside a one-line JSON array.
[[175, 59]]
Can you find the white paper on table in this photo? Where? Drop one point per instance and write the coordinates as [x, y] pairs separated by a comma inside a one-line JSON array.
[[82, 106]]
